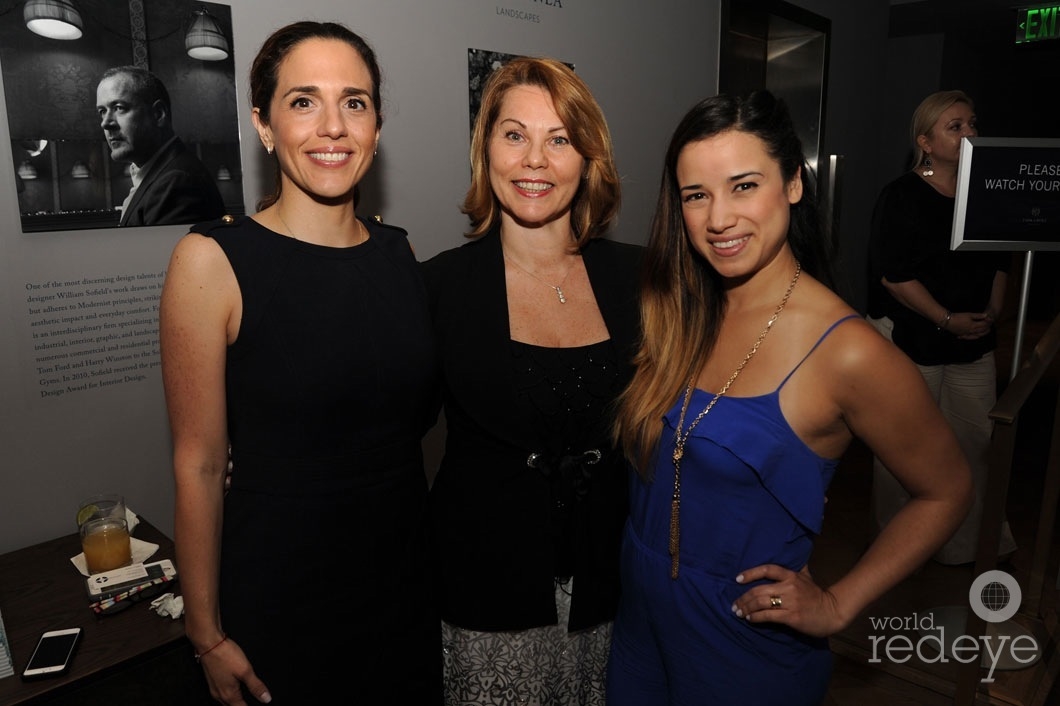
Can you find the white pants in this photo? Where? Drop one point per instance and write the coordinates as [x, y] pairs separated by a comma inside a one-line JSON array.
[[965, 392]]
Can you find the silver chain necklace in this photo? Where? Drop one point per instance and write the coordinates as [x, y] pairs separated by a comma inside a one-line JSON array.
[[361, 231], [289, 229], [558, 288]]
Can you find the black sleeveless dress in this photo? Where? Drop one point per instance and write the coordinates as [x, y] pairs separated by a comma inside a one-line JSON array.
[[329, 391]]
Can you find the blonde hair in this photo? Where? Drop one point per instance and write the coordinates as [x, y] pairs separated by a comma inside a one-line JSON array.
[[927, 114], [597, 199]]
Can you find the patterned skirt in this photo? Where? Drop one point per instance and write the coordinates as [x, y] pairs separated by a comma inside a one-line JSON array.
[[544, 666]]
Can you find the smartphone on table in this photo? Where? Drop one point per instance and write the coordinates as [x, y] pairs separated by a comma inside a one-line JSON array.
[[51, 657]]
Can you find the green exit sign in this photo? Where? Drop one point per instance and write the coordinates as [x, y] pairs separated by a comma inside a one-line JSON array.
[[1034, 24]]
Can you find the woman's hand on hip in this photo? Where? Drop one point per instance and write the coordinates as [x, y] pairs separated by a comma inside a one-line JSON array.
[[791, 598]]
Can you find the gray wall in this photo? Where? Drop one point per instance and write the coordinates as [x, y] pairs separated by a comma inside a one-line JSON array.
[[646, 62]]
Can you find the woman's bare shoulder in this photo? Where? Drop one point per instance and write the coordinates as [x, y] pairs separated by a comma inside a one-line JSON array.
[[195, 252], [852, 347], [865, 367]]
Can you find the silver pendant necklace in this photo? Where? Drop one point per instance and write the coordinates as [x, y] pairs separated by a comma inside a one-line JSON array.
[[557, 288]]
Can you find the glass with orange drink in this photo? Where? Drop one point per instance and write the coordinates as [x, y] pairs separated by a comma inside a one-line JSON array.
[[103, 524], [106, 544]]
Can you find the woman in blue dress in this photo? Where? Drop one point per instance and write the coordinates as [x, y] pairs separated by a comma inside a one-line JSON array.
[[752, 379]]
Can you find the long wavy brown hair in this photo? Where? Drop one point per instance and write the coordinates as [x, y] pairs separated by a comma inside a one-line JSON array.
[[682, 296]]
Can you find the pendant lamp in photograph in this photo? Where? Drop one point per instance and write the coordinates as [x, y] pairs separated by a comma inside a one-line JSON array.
[[55, 19], [27, 171], [204, 39], [80, 170]]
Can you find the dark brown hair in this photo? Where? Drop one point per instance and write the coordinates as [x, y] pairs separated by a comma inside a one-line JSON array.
[[682, 296], [264, 72]]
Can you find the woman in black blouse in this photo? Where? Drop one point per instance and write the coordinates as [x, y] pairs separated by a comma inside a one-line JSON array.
[[536, 318], [939, 305]]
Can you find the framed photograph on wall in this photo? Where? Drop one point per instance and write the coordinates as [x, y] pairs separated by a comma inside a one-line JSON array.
[[121, 113]]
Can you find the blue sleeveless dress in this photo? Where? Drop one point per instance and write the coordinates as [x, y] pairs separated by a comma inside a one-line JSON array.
[[751, 493]]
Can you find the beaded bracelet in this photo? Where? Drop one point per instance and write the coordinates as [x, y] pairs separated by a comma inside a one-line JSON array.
[[944, 322], [199, 656]]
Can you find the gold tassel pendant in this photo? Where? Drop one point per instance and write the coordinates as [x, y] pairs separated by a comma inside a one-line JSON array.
[[675, 536]]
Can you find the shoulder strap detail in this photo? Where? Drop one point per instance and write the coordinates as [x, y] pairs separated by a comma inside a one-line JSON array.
[[815, 345]]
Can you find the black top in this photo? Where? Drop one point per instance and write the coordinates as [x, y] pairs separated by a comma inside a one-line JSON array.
[[911, 234], [566, 393], [498, 533]]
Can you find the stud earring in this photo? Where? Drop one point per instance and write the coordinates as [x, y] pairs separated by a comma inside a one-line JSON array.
[[268, 150], [928, 171]]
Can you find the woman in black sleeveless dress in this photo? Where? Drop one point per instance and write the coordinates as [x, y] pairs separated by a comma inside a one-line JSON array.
[[300, 336]]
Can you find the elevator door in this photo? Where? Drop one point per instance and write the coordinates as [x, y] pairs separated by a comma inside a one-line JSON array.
[[776, 45]]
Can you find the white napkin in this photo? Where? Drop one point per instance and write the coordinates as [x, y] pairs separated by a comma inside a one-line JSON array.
[[168, 604]]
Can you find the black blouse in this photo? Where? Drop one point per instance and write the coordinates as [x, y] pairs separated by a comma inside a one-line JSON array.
[[513, 449], [911, 232]]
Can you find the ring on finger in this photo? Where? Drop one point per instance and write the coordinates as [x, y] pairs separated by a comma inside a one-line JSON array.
[[775, 601]]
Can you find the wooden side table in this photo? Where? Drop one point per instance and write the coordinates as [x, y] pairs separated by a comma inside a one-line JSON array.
[[134, 656]]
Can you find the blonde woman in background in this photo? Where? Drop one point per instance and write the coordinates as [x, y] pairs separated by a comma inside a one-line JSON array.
[[938, 305]]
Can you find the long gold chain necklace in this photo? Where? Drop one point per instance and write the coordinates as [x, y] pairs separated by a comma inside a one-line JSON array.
[[681, 438], [558, 288]]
